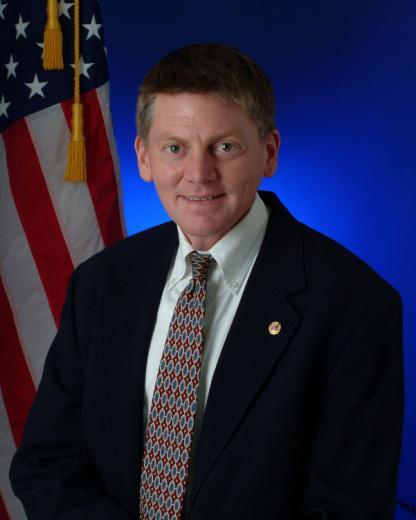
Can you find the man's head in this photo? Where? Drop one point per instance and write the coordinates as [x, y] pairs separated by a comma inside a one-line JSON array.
[[218, 69], [206, 138]]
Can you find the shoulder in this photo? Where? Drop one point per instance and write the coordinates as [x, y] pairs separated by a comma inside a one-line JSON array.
[[332, 266], [333, 276], [132, 254], [343, 291]]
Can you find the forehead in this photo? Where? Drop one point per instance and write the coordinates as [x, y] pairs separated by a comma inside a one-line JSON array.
[[201, 113]]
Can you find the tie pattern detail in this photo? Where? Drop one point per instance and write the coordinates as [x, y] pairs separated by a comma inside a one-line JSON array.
[[170, 426]]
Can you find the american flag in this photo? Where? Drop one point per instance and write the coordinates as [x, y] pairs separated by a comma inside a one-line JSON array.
[[47, 226]]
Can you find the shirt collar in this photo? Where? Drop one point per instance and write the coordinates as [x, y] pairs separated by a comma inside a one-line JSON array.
[[234, 253]]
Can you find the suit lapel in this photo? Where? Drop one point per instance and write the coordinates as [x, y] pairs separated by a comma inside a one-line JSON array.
[[128, 324], [250, 352]]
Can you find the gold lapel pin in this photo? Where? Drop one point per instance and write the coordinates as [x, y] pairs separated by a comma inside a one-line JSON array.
[[274, 328]]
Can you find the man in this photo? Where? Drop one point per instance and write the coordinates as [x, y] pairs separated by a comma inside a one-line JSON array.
[[290, 404]]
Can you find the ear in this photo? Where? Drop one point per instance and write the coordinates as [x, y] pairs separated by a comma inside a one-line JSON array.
[[143, 160], [272, 151]]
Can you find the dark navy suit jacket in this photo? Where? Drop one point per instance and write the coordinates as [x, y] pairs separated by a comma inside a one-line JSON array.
[[304, 424]]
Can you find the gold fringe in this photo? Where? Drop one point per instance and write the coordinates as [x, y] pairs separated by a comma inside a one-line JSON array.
[[76, 167], [76, 170], [52, 39]]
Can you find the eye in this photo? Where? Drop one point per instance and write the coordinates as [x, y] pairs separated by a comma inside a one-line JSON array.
[[226, 147], [173, 148]]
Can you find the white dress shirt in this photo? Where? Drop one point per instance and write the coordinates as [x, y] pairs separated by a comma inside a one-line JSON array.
[[234, 254]]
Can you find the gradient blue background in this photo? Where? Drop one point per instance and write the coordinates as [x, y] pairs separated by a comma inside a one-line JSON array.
[[344, 74]]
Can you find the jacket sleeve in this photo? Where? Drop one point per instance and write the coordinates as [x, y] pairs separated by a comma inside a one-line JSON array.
[[49, 473], [352, 468]]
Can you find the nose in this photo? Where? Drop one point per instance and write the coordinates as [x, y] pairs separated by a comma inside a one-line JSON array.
[[200, 167]]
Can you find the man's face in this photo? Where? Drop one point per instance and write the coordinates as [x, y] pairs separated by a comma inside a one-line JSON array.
[[206, 160]]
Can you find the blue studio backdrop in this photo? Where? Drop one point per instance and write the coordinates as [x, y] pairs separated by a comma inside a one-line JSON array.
[[344, 75]]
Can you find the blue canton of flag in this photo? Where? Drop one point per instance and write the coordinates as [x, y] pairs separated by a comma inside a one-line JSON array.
[[24, 86]]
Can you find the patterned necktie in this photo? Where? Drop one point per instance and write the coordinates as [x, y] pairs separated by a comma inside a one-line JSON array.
[[170, 427]]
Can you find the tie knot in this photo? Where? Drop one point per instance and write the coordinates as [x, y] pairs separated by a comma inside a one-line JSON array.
[[200, 264]]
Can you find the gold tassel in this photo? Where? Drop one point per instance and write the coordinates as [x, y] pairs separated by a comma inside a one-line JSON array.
[[76, 168], [52, 39]]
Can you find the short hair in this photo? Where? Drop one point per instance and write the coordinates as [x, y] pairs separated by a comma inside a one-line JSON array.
[[209, 68]]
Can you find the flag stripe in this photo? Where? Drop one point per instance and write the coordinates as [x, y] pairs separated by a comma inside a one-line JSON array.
[[104, 190], [72, 201], [3, 512], [16, 382], [37, 214], [103, 96], [27, 299], [12, 505], [100, 168]]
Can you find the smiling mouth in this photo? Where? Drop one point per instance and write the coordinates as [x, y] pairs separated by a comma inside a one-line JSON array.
[[208, 197]]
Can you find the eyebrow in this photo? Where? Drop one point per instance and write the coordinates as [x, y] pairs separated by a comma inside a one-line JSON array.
[[232, 133], [219, 137]]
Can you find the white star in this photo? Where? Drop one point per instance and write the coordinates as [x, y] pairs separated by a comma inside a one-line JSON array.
[[63, 8], [11, 67], [21, 27], [3, 107], [92, 28], [2, 8], [36, 87], [83, 67]]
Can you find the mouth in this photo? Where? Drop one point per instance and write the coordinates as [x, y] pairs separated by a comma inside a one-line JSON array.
[[197, 198]]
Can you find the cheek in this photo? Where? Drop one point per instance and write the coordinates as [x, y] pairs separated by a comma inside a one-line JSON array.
[[245, 181], [165, 176]]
